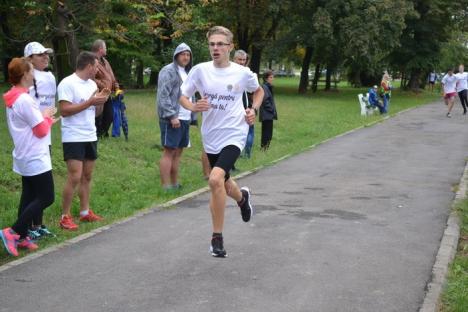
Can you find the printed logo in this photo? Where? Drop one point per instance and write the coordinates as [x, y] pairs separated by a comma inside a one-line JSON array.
[[229, 87]]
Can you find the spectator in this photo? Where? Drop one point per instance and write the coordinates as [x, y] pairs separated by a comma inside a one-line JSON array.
[[374, 99], [267, 110], [174, 119], [462, 87], [104, 79], [225, 124], [120, 118], [386, 91], [432, 79], [43, 91], [28, 128], [241, 58], [78, 99], [449, 83]]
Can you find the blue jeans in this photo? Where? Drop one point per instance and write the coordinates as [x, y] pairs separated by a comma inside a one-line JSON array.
[[250, 141], [386, 103]]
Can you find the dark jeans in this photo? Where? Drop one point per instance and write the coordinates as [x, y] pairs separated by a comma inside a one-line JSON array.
[[104, 121], [267, 134], [37, 194], [463, 99]]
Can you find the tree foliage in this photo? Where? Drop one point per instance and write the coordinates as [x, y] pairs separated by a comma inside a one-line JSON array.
[[359, 38]]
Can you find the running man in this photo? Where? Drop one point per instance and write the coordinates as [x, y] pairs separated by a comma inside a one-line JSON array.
[[221, 84], [449, 83], [462, 87]]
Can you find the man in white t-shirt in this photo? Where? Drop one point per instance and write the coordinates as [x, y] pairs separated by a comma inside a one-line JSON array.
[[174, 119], [78, 98], [462, 87], [449, 83], [221, 84]]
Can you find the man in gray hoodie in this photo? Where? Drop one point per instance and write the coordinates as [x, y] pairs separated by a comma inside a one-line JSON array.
[[174, 119]]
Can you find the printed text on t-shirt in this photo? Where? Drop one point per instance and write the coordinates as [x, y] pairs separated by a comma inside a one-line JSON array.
[[219, 101]]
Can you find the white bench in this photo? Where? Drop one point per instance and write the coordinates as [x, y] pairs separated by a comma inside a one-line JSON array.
[[366, 108]]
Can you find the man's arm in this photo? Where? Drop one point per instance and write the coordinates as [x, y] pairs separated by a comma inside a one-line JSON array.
[[69, 109], [166, 85], [200, 106], [257, 102]]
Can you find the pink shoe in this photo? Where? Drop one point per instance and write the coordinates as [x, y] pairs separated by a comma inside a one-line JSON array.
[[10, 240], [26, 243]]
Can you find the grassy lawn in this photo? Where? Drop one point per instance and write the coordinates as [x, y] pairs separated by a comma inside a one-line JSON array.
[[455, 296], [126, 177]]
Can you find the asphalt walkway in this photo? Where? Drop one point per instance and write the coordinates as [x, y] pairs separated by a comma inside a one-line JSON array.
[[352, 225]]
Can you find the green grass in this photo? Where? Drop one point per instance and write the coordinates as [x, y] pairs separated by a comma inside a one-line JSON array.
[[126, 177], [455, 295]]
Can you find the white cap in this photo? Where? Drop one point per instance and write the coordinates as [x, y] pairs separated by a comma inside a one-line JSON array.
[[375, 87], [36, 48]]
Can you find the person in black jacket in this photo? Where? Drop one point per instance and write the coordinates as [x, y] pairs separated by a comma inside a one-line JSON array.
[[267, 110]]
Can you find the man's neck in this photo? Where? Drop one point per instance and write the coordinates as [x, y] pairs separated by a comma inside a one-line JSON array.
[[222, 64], [81, 74]]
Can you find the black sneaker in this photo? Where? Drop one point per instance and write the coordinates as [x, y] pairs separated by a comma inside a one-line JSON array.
[[44, 231], [217, 248], [246, 207], [34, 234]]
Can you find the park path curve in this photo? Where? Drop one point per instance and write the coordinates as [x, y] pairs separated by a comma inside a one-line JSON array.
[[351, 225]]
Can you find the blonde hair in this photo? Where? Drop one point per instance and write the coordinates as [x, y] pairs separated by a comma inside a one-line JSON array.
[[220, 30]]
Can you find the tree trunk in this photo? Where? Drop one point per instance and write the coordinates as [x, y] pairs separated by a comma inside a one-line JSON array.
[[140, 84], [414, 81], [328, 79], [316, 78], [153, 79], [304, 82], [255, 60], [64, 43]]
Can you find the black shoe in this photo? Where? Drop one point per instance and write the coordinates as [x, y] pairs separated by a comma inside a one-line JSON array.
[[245, 206], [217, 248]]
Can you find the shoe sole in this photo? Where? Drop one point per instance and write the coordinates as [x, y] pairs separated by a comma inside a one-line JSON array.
[[216, 255], [6, 245], [245, 188]]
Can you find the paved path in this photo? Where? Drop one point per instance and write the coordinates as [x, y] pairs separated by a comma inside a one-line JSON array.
[[352, 225]]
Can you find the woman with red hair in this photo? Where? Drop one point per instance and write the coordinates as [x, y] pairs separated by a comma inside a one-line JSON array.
[[28, 127]]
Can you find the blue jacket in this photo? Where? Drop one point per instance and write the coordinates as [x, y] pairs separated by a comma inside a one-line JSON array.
[[373, 98], [169, 82]]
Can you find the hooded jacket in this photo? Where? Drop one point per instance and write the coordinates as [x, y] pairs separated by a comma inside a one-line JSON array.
[[169, 82]]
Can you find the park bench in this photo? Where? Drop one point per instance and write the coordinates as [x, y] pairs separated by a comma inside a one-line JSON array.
[[366, 108]]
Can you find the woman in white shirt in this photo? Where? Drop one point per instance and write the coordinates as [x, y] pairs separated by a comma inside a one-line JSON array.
[[28, 127], [44, 90]]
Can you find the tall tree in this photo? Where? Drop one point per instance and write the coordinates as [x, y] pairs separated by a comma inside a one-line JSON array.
[[253, 22], [421, 41]]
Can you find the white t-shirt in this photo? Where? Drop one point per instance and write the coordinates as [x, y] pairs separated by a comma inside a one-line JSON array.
[[449, 83], [432, 77], [224, 123], [79, 127], [31, 154], [184, 114], [462, 81], [46, 90]]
